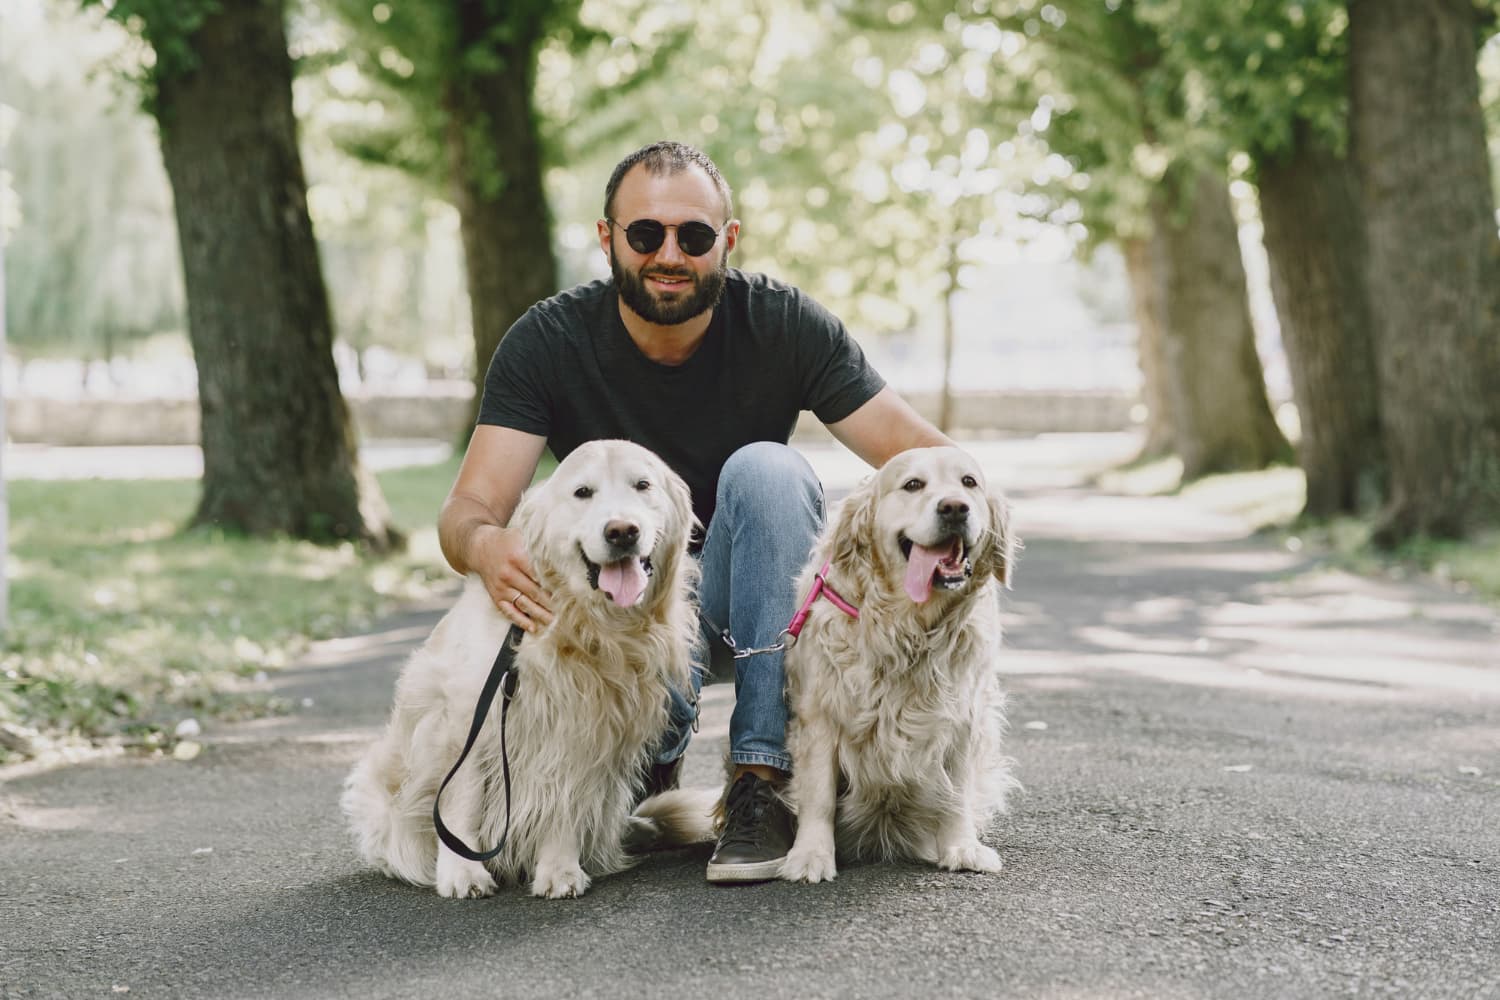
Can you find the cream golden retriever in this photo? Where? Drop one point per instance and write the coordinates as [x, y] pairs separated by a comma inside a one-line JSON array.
[[607, 534], [896, 715]]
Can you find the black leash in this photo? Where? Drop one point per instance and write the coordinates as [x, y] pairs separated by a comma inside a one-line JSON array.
[[502, 678]]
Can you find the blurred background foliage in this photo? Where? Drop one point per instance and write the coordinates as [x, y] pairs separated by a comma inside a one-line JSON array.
[[869, 144], [866, 150], [978, 171]]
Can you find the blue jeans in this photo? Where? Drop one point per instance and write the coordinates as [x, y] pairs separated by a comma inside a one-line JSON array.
[[768, 513]]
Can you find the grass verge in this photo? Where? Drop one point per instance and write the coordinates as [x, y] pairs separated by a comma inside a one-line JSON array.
[[121, 625], [1271, 500]]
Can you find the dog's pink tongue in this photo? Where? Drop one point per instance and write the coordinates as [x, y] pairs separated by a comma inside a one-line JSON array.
[[920, 566], [623, 581]]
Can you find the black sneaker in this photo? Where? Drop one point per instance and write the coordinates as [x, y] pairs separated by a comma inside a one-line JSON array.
[[757, 833]]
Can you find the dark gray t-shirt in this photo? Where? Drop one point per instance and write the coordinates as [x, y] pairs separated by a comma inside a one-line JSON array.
[[569, 371]]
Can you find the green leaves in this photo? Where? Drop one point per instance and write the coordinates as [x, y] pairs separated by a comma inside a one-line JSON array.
[[168, 27]]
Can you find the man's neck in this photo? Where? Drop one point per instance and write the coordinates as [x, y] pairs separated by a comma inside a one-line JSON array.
[[666, 345]]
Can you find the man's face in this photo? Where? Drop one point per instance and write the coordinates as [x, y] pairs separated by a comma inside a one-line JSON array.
[[666, 286]]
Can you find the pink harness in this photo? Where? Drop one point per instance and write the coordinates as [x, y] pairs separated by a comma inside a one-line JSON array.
[[820, 588]]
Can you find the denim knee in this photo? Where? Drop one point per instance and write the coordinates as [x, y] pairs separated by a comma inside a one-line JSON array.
[[763, 476]]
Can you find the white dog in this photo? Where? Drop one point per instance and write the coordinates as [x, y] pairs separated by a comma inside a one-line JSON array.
[[896, 714], [607, 534]]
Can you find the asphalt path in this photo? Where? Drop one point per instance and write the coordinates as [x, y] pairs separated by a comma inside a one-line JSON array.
[[1247, 774]]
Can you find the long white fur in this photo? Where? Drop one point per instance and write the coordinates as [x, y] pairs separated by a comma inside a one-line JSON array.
[[590, 703], [902, 706]]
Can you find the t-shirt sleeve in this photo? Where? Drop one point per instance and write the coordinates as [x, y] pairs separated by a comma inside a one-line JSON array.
[[838, 377], [517, 382]]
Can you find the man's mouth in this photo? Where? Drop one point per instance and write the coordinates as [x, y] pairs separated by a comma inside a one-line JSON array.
[[671, 282], [622, 581], [945, 566]]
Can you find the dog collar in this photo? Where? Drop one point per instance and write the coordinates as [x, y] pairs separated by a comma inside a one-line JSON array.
[[820, 588]]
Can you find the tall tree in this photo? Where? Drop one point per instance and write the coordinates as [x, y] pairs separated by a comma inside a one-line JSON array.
[[1147, 301], [1119, 107], [457, 77], [1314, 235], [459, 80], [495, 156], [1217, 393], [279, 452], [1272, 79], [1418, 143]]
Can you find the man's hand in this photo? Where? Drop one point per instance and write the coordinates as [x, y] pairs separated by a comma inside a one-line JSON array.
[[472, 524], [499, 556]]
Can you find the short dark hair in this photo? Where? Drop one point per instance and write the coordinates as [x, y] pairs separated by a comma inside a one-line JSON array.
[[666, 158]]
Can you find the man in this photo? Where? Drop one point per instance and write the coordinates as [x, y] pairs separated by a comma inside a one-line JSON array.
[[709, 367]]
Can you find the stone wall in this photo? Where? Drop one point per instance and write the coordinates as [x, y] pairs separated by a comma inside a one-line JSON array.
[[440, 413]]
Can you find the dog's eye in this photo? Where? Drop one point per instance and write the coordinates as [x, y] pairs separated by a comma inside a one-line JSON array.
[[913, 485], [970, 482], [584, 492], [642, 485]]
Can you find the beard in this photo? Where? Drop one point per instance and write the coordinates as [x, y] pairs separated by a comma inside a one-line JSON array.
[[702, 295]]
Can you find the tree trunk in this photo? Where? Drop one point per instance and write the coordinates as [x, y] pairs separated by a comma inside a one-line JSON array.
[[1146, 296], [279, 452], [945, 393], [495, 156], [1315, 241], [1417, 139], [1221, 417]]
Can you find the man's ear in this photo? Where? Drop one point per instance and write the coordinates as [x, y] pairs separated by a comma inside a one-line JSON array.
[[999, 553]]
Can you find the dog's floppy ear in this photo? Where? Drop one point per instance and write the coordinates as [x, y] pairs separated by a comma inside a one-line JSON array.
[[998, 553], [681, 523], [685, 524], [525, 519], [854, 526]]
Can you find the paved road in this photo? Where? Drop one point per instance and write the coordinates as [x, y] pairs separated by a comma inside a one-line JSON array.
[[1247, 775]]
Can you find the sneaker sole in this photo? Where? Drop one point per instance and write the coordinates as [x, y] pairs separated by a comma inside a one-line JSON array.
[[759, 871]]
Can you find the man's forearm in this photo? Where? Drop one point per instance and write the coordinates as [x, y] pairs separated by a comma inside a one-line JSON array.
[[461, 520]]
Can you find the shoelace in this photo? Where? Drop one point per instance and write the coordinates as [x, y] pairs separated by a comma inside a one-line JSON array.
[[747, 805]]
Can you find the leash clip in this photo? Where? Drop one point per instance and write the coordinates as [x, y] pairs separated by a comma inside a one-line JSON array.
[[779, 645]]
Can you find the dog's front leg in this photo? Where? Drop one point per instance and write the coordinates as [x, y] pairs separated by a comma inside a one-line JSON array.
[[558, 873], [958, 844], [815, 792], [460, 878]]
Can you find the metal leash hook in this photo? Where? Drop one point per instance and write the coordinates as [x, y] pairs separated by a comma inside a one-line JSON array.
[[776, 647], [782, 642]]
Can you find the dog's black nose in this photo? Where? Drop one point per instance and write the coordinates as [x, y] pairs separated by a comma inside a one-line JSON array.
[[621, 534], [952, 509]]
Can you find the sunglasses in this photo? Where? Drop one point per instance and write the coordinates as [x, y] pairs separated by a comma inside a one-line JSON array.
[[647, 235]]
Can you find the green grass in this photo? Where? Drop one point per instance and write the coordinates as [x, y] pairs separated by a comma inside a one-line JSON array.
[[1263, 499], [1471, 566], [121, 624], [1272, 499]]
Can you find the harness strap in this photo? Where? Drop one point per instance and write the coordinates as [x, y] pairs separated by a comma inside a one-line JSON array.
[[503, 679], [820, 588]]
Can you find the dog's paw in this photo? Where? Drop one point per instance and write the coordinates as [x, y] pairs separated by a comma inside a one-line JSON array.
[[809, 864], [459, 878], [970, 857], [562, 882]]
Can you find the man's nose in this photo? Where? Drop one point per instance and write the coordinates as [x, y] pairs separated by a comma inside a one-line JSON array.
[[669, 251]]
